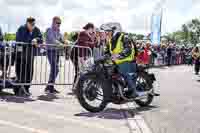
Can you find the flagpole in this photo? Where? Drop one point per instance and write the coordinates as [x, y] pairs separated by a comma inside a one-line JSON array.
[[161, 20]]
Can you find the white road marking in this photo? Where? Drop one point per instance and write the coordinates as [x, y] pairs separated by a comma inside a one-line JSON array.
[[60, 117], [29, 129], [137, 124]]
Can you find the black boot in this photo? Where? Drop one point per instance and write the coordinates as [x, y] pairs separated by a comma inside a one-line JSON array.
[[131, 93], [51, 90]]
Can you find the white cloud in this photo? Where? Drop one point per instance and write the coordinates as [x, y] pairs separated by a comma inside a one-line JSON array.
[[134, 15]]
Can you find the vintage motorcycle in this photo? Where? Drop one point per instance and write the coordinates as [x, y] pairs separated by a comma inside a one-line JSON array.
[[102, 84]]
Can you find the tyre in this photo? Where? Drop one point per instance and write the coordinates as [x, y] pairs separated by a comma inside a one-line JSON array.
[[89, 89], [144, 80]]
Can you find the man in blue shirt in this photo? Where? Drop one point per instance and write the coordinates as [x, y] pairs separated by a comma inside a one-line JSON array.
[[27, 37]]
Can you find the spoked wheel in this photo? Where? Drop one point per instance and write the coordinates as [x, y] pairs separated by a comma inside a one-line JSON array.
[[90, 94], [143, 86]]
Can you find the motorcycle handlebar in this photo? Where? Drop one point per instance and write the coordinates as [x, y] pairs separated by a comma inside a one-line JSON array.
[[102, 59]]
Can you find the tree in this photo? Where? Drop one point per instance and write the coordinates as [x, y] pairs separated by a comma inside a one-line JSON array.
[[132, 35], [189, 33], [186, 34], [169, 37], [194, 29], [140, 37], [10, 37]]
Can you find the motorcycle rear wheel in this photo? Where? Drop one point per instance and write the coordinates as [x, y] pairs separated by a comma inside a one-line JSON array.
[[149, 98]]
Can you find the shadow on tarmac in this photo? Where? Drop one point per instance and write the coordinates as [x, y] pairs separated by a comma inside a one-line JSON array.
[[143, 109], [116, 114], [48, 98], [8, 97]]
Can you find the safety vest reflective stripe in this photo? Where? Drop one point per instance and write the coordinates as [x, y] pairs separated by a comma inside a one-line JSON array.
[[119, 46], [118, 49]]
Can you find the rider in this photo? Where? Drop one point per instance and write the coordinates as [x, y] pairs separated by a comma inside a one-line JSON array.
[[123, 55]]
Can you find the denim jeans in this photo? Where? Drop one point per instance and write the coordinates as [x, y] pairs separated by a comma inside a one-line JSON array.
[[128, 70], [53, 58]]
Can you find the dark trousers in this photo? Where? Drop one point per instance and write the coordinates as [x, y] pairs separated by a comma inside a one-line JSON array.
[[74, 58], [53, 58], [75, 63], [197, 66], [24, 69], [169, 57], [128, 70]]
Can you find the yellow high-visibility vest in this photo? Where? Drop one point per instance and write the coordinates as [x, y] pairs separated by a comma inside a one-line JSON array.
[[118, 49]]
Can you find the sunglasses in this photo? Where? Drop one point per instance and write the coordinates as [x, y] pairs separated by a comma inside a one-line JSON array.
[[58, 23], [31, 23]]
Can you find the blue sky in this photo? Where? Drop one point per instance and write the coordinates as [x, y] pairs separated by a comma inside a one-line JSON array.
[[134, 15]]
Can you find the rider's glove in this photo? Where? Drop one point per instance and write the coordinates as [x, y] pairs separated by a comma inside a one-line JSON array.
[[115, 56]]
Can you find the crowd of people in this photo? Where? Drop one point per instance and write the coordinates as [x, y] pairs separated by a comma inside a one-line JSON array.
[[169, 54], [96, 39]]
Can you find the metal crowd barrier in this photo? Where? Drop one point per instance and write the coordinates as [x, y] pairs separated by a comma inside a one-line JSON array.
[[26, 64]]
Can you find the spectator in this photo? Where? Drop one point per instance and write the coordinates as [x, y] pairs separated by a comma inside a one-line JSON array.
[[169, 55], [101, 42], [85, 39], [154, 55], [75, 37], [53, 37], [30, 35], [144, 56], [173, 55], [183, 55], [177, 55], [74, 56], [188, 58], [162, 52], [159, 56], [196, 57]]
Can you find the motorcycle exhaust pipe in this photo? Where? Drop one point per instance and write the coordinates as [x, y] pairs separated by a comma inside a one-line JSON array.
[[155, 94]]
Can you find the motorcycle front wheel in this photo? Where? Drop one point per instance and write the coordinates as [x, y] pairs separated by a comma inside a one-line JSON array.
[[91, 94]]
